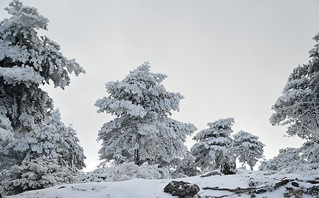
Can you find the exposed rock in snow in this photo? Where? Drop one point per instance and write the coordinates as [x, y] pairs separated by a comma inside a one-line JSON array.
[[181, 189]]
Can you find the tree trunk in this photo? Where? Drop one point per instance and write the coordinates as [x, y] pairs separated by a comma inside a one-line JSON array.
[[137, 159]]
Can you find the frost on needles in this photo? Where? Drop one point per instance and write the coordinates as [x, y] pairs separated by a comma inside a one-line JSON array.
[[29, 126], [298, 108], [213, 144], [142, 130]]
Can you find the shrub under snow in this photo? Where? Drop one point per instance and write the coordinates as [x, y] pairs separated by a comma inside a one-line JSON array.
[[290, 160], [37, 174], [126, 171]]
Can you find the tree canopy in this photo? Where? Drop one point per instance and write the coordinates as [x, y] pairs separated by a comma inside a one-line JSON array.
[[26, 62], [213, 144], [298, 106], [142, 129]]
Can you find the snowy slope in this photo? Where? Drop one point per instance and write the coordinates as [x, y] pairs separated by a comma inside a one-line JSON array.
[[141, 188]]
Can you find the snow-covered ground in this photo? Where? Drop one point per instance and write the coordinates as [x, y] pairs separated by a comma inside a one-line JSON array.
[[142, 188]]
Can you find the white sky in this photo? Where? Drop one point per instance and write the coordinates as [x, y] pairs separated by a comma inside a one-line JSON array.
[[229, 58]]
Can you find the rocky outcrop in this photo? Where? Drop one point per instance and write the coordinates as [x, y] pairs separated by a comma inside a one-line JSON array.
[[182, 189], [293, 188]]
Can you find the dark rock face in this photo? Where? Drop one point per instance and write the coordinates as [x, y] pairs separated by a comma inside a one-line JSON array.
[[181, 189]]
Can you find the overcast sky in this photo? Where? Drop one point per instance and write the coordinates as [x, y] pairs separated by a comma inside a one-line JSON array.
[[229, 58]]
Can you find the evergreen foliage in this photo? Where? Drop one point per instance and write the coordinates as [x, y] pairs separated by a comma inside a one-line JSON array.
[[213, 144], [298, 105], [142, 130], [247, 148], [29, 127], [298, 109]]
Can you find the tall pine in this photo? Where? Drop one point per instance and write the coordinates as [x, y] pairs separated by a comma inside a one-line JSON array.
[[142, 130], [298, 107], [28, 61]]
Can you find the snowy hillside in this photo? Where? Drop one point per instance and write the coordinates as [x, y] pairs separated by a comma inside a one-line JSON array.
[[244, 181]]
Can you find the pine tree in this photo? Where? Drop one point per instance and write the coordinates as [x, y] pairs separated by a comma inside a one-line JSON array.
[[298, 107], [26, 62], [142, 130], [213, 144], [247, 148]]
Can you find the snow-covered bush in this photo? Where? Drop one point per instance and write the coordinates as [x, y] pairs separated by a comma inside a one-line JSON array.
[[142, 130], [286, 158], [37, 174], [247, 148], [213, 144], [294, 159], [125, 171]]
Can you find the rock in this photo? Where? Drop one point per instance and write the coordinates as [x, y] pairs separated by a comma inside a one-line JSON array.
[[182, 189], [282, 183], [297, 193], [295, 184], [239, 191], [313, 191]]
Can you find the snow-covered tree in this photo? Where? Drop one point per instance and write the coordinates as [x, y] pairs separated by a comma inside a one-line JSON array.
[[247, 148], [142, 130], [298, 107], [213, 144], [39, 173], [26, 62]]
